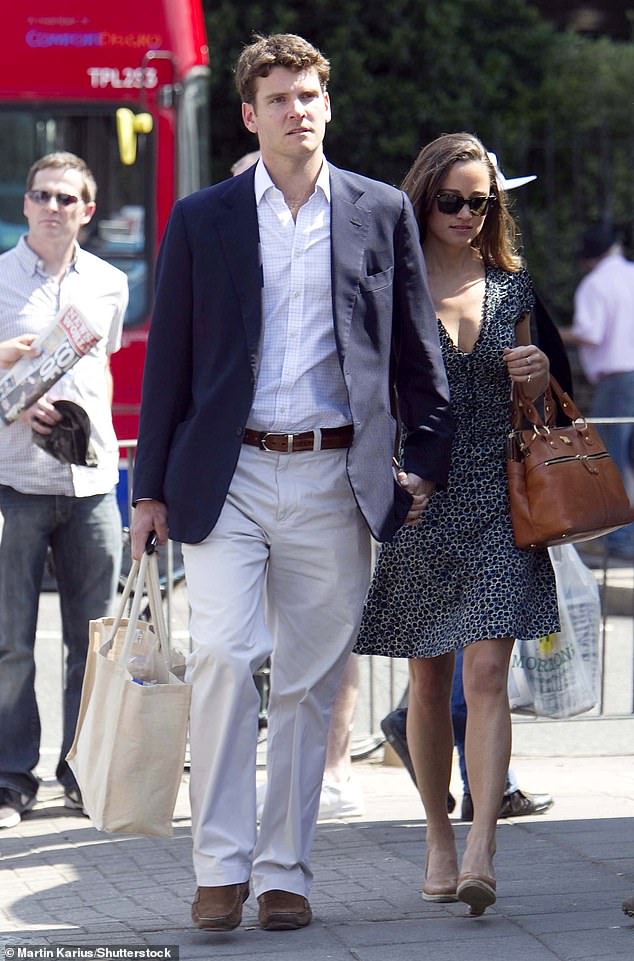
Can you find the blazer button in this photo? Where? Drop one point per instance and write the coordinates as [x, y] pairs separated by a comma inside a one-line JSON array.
[[239, 431]]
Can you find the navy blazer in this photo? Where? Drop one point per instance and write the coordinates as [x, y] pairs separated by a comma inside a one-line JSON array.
[[202, 358]]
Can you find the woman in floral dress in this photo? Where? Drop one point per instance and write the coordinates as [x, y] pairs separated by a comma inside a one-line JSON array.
[[456, 579]]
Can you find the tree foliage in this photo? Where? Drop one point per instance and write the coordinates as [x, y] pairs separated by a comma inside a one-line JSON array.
[[401, 73], [554, 104]]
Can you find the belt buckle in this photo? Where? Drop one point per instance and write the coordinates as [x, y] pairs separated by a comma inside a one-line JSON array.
[[271, 450]]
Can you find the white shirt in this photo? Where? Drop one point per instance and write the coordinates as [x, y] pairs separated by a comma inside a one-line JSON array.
[[604, 318], [29, 301], [300, 384]]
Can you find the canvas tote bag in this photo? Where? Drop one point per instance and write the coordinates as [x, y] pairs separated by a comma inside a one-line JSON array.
[[129, 746]]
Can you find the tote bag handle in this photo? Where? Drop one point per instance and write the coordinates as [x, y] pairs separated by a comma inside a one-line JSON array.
[[143, 573]]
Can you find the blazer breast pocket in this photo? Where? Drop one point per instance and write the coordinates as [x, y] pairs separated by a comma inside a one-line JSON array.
[[377, 281]]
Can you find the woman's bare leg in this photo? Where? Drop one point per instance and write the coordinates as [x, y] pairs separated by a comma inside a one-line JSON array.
[[488, 746], [430, 742]]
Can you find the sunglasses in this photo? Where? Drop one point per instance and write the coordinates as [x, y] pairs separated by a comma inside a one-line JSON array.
[[43, 197], [449, 203]]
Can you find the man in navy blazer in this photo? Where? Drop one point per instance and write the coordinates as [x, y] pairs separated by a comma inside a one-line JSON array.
[[290, 300]]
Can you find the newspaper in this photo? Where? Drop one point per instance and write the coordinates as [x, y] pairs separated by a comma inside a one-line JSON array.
[[61, 345]]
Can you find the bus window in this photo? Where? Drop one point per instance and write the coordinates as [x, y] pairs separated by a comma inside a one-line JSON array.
[[193, 137], [119, 230]]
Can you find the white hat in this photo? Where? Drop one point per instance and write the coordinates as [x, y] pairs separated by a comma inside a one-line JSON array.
[[513, 181]]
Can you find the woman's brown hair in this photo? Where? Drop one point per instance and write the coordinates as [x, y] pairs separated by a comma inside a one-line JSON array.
[[496, 241]]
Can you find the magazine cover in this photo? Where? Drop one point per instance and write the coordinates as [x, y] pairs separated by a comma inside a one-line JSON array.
[[61, 345]]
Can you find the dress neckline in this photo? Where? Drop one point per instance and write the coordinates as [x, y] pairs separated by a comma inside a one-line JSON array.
[[483, 322]]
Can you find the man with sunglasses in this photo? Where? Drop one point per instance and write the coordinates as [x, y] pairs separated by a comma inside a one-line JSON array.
[[69, 507]]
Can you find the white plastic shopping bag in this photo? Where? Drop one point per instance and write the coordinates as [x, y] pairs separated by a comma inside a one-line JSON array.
[[559, 675]]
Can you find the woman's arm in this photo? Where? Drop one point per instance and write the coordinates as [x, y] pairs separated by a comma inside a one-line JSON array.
[[527, 364]]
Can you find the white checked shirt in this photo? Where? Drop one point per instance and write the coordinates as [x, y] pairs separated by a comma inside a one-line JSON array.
[[300, 385], [604, 318], [29, 302]]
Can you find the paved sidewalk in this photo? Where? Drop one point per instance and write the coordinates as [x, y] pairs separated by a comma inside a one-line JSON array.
[[561, 880]]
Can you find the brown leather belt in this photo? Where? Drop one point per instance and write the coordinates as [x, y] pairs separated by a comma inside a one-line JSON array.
[[328, 438]]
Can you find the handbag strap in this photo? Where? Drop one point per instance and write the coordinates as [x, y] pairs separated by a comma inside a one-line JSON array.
[[524, 408]]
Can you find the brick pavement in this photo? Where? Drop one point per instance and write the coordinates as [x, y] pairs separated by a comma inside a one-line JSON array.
[[561, 880]]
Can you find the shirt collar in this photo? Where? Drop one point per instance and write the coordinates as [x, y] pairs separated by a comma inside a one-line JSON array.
[[33, 263], [263, 182]]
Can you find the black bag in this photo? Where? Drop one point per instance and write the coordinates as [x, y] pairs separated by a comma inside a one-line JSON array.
[[69, 440]]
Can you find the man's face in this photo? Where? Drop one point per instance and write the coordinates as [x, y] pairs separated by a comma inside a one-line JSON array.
[[52, 217], [289, 113]]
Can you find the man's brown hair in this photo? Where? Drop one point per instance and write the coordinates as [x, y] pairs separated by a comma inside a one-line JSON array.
[[63, 160], [278, 50]]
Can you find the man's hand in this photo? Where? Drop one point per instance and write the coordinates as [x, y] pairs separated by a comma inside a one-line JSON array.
[[12, 350], [148, 516], [41, 416], [421, 490]]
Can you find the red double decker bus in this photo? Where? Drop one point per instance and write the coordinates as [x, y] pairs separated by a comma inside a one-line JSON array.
[[124, 85]]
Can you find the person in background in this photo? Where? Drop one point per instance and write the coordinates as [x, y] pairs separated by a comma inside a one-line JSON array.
[[456, 579], [46, 503], [603, 329], [12, 350], [341, 793], [286, 298], [243, 163]]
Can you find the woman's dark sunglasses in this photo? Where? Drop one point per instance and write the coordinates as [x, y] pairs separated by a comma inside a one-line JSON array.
[[450, 203], [45, 196]]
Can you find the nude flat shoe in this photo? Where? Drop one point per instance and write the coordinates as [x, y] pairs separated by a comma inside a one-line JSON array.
[[439, 891], [476, 890]]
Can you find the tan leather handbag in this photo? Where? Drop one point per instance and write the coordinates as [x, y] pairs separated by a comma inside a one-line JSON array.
[[563, 485]]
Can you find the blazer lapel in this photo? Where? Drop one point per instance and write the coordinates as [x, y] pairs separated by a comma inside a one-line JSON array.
[[349, 225], [240, 238]]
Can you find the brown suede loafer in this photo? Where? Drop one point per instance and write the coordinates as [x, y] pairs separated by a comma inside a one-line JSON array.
[[283, 911], [219, 908]]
